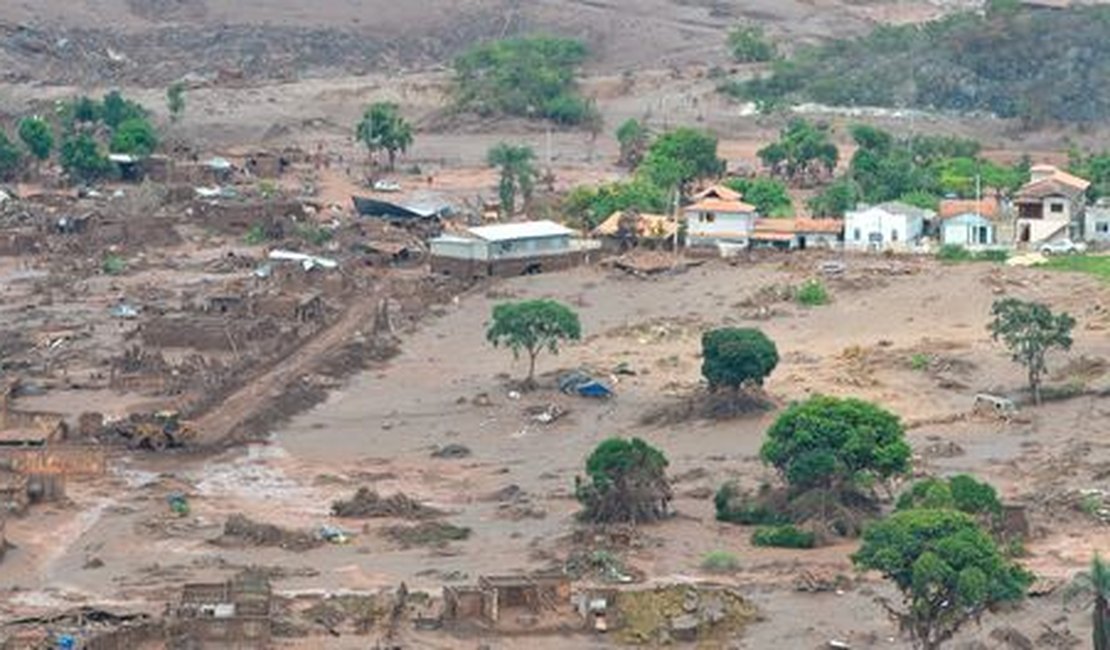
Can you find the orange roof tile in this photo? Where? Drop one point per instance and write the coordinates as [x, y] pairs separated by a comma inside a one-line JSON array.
[[772, 236], [818, 225], [719, 192], [719, 205], [987, 207]]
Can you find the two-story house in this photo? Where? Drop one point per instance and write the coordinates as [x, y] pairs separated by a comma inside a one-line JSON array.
[[1050, 206], [719, 217]]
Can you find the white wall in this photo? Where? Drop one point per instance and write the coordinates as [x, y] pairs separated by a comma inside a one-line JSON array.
[[877, 228], [708, 227]]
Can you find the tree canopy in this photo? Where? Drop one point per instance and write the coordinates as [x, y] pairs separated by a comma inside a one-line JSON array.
[[37, 136], [748, 44], [828, 442], [518, 173], [734, 357], [116, 109], [625, 481], [803, 153], [1029, 330], [382, 127], [589, 206], [530, 77], [82, 158], [769, 195], [948, 570], [9, 157], [134, 136], [680, 156], [532, 326], [1093, 588], [634, 139]]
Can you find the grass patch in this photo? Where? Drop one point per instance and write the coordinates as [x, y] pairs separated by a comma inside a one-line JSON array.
[[812, 293], [920, 362], [720, 562], [956, 253], [786, 536], [113, 264], [255, 236], [315, 235], [1096, 265]]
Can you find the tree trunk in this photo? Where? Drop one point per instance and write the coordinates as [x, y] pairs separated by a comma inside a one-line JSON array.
[[1035, 384], [1102, 623], [392, 159], [531, 381]]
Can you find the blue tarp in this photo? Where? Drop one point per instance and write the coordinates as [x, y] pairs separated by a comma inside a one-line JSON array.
[[584, 385]]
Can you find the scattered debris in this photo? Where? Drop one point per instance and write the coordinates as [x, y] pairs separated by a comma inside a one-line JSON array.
[[367, 504], [546, 414], [582, 384], [240, 530], [430, 533], [451, 450]]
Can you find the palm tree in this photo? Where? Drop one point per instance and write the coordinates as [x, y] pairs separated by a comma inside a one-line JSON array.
[[382, 127], [1094, 588], [517, 173]]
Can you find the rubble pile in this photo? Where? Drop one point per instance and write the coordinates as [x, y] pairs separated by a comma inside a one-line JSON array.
[[368, 504], [243, 531]]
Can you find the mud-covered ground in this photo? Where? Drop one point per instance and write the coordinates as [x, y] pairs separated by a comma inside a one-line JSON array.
[[448, 387]]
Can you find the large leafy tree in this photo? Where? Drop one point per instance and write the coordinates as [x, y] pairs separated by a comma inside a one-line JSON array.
[[37, 136], [82, 159], [831, 443], [9, 157], [948, 569], [634, 139], [532, 326], [960, 492], [625, 481], [734, 357], [836, 199], [516, 164], [1030, 330], [803, 153], [116, 109], [769, 195], [681, 156], [1093, 587], [383, 128], [135, 136], [592, 205]]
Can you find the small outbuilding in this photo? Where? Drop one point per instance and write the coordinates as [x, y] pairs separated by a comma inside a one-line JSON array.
[[969, 230]]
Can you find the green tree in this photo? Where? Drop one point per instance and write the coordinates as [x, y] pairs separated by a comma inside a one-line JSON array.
[[526, 77], [1094, 587], [589, 206], [175, 101], [625, 481], [37, 136], [382, 127], [134, 136], [634, 139], [82, 159], [831, 443], [518, 173], [10, 158], [803, 152], [1030, 330], [769, 195], [681, 156], [532, 326], [86, 109], [115, 110], [734, 357], [960, 492], [948, 570], [748, 44], [836, 199]]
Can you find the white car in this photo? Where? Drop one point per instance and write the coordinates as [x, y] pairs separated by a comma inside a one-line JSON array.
[[1063, 247]]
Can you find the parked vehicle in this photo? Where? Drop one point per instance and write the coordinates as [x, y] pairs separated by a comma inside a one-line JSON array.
[[1063, 247]]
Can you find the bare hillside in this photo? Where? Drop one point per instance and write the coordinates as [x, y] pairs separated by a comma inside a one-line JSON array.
[[151, 42]]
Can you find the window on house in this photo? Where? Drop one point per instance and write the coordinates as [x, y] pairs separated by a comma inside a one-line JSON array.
[[1056, 208], [894, 235], [857, 235], [710, 217], [982, 235], [1102, 226]]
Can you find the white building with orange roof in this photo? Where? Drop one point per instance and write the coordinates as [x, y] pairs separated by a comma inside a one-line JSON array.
[[719, 217]]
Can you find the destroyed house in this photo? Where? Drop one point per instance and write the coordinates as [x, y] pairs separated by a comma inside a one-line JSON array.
[[429, 209], [494, 597], [225, 615]]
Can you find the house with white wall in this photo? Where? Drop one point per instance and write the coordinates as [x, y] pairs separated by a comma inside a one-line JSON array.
[[1096, 224], [888, 226], [1050, 206], [719, 217]]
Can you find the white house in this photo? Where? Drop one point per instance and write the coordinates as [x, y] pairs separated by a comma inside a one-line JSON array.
[[719, 217], [508, 249], [969, 230], [1096, 226], [887, 226]]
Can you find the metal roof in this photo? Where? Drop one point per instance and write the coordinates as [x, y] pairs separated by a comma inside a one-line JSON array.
[[523, 230]]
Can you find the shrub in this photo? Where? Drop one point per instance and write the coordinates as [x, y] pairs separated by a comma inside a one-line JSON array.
[[748, 44], [785, 536], [315, 235], [920, 361], [953, 253], [734, 357], [113, 264], [720, 562], [256, 235], [625, 481], [812, 293], [994, 255], [736, 507]]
